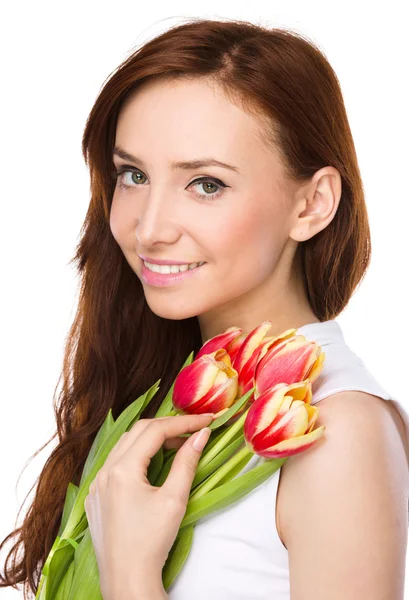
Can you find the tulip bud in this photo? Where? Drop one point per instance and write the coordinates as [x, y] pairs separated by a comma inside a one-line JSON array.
[[280, 421], [287, 359], [235, 346], [227, 340], [247, 356], [208, 384]]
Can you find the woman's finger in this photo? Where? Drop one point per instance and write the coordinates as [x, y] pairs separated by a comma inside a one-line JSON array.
[[179, 481], [153, 436], [126, 439]]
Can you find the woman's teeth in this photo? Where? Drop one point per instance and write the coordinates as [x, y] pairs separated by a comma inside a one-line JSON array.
[[171, 268]]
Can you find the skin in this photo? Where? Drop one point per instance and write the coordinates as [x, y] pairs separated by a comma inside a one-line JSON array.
[[248, 236], [344, 504]]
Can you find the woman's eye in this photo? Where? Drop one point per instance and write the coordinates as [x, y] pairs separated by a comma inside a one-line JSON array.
[[208, 183], [132, 181]]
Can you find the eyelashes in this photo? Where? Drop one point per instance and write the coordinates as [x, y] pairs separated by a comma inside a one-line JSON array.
[[119, 175]]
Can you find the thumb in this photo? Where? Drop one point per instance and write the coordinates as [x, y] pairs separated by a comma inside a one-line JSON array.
[[180, 478]]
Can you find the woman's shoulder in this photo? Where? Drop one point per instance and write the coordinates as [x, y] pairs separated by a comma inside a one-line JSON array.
[[344, 370], [347, 490], [346, 377], [365, 429], [361, 409]]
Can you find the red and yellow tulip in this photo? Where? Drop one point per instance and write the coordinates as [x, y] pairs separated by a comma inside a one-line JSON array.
[[280, 421], [287, 358], [231, 340], [247, 356], [208, 384], [228, 365]]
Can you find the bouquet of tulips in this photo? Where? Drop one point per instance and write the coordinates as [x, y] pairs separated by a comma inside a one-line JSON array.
[[260, 389]]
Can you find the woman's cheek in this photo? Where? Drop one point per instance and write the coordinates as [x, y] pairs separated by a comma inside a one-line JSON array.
[[116, 223], [259, 237]]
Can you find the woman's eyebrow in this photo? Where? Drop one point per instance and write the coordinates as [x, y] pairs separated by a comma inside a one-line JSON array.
[[189, 164]]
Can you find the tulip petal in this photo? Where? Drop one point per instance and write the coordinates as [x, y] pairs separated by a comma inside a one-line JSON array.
[[194, 381], [219, 341], [223, 359], [274, 341], [293, 445], [287, 363], [296, 342], [313, 412], [243, 389], [218, 398], [296, 403], [264, 410], [308, 395], [235, 345], [294, 423], [270, 413], [246, 375], [316, 367], [250, 344], [299, 390]]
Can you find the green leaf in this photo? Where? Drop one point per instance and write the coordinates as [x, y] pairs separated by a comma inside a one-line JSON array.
[[65, 585], [167, 408], [230, 492], [42, 588], [215, 436], [220, 421], [54, 547], [79, 529], [122, 424], [230, 433], [177, 555], [217, 461], [161, 477], [155, 466], [100, 438], [206, 471], [72, 491], [231, 411], [58, 567], [85, 583], [168, 452], [132, 412], [211, 443], [234, 470]]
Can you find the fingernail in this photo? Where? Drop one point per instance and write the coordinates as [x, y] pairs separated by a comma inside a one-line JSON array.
[[208, 415], [201, 438]]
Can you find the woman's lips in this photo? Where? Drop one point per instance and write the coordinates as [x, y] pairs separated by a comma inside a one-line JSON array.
[[164, 279]]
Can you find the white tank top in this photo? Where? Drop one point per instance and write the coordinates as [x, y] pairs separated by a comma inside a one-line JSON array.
[[236, 552]]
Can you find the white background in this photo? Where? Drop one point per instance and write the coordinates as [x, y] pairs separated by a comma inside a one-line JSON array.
[[54, 59]]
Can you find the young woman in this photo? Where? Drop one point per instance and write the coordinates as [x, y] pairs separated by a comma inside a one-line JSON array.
[[223, 149]]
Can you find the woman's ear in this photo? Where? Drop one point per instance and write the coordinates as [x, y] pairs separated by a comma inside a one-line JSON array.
[[316, 204]]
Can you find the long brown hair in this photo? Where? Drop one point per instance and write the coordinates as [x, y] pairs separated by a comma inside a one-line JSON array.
[[117, 347]]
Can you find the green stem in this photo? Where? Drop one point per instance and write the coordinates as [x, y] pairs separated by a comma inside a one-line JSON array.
[[230, 433], [220, 473], [38, 594]]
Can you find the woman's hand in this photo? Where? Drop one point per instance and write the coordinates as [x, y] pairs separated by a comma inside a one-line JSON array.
[[133, 524]]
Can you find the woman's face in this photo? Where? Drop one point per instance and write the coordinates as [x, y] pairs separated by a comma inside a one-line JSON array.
[[237, 220]]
